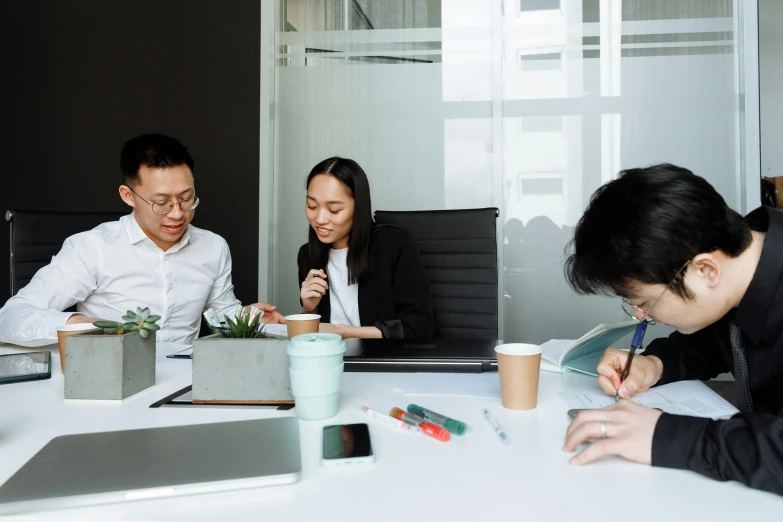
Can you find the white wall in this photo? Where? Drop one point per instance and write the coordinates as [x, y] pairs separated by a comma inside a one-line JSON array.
[[771, 86]]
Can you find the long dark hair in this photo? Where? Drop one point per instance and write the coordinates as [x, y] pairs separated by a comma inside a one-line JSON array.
[[350, 174]]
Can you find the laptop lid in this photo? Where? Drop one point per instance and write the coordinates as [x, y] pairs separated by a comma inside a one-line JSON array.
[[417, 355], [116, 466]]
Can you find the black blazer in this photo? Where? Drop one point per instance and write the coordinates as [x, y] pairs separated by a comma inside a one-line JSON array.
[[395, 295]]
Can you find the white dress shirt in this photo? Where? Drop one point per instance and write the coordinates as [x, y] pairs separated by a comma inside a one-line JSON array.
[[343, 298], [115, 267]]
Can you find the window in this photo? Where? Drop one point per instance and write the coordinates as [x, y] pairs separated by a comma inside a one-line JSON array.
[[541, 62], [538, 5]]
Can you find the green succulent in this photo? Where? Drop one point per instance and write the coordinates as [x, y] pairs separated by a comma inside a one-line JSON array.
[[139, 321], [241, 327]]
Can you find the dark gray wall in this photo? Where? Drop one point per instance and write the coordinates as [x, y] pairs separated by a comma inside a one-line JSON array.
[[81, 77]]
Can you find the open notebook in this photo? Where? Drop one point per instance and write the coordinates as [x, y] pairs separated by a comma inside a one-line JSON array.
[[582, 355]]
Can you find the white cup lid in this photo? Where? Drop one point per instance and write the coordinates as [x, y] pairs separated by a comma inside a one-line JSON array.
[[302, 317], [76, 327], [518, 349]]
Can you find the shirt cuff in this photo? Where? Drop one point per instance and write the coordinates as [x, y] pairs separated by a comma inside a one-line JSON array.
[[54, 320], [391, 329], [663, 350], [674, 440]]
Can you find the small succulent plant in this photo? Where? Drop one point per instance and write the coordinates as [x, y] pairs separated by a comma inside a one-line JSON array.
[[242, 327], [139, 321]]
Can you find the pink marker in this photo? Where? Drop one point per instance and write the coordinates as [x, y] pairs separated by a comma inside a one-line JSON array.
[[389, 421]]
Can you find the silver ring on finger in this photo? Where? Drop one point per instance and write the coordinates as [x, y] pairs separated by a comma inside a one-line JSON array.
[[603, 430]]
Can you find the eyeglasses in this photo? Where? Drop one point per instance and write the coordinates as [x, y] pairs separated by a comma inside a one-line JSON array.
[[167, 206], [629, 308]]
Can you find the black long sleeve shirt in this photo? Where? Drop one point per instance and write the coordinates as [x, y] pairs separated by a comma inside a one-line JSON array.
[[395, 295], [748, 447]]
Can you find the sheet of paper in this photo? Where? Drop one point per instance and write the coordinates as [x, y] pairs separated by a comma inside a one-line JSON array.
[[551, 351], [692, 398], [276, 329], [485, 384]]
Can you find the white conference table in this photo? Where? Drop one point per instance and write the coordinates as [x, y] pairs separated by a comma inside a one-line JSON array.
[[415, 478]]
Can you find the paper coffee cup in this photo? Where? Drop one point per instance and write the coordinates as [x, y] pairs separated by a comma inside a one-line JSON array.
[[66, 330], [519, 366], [302, 323]]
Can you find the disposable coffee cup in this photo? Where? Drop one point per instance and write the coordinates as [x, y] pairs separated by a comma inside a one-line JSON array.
[[519, 366], [66, 330], [299, 324]]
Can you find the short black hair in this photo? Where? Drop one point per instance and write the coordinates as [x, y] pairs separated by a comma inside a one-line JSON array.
[[644, 226], [350, 174], [155, 151]]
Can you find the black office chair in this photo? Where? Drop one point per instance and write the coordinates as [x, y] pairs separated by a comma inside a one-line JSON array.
[[459, 250], [37, 236]]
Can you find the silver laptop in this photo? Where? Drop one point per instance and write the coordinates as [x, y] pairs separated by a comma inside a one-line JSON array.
[[117, 466]]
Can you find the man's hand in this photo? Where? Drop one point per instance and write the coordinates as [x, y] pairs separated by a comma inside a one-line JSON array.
[[645, 372], [271, 315], [80, 318], [629, 432]]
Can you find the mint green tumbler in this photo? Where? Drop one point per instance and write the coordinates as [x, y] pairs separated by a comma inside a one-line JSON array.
[[316, 371]]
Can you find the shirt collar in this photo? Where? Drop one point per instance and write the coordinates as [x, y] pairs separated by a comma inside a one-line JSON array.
[[136, 234], [754, 308]]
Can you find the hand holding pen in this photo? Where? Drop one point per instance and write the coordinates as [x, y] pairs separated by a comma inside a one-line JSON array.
[[619, 377], [638, 336]]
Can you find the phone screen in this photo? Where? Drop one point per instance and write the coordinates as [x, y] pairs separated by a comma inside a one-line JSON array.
[[346, 441], [19, 365]]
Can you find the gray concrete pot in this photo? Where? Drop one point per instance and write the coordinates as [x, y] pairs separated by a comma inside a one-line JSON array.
[[241, 371], [108, 367]]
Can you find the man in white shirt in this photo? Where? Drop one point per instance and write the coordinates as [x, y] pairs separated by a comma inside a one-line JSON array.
[[151, 258]]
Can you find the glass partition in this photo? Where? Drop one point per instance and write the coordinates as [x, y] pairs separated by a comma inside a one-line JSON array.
[[526, 105]]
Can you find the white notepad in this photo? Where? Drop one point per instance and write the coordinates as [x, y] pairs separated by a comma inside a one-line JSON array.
[[583, 354]]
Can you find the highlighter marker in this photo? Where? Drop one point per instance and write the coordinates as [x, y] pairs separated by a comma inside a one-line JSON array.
[[389, 421], [436, 432], [452, 425]]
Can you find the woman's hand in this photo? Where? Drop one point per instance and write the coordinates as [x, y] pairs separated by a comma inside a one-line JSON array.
[[338, 329], [313, 289]]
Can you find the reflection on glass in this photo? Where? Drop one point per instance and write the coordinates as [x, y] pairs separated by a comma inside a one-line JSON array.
[[587, 88]]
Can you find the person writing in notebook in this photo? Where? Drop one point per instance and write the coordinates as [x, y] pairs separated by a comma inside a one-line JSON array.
[[152, 258], [363, 280], [666, 242]]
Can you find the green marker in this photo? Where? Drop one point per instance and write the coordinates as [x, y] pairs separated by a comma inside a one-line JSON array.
[[452, 425]]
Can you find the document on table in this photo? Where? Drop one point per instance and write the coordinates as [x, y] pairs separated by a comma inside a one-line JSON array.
[[485, 384], [280, 330], [692, 398]]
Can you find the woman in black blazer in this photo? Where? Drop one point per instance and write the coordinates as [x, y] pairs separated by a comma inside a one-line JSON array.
[[363, 279]]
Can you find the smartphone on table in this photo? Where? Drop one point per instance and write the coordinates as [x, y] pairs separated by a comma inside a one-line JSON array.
[[21, 367], [346, 445]]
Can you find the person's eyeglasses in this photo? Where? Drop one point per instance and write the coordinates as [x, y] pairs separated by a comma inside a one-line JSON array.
[[164, 207], [630, 309]]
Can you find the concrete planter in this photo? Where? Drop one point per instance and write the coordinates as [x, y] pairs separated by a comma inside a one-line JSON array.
[[241, 371], [108, 367]]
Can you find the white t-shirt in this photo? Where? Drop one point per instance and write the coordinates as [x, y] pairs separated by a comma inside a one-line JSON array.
[[343, 298]]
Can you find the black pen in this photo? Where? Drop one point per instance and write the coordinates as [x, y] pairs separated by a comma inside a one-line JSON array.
[[636, 343]]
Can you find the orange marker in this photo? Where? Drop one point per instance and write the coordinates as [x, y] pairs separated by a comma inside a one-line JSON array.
[[436, 432]]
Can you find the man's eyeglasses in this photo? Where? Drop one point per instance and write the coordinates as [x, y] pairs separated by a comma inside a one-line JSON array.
[[164, 207], [630, 309]]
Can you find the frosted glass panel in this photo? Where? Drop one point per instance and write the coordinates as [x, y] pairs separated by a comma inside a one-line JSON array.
[[590, 88], [526, 105], [406, 93]]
